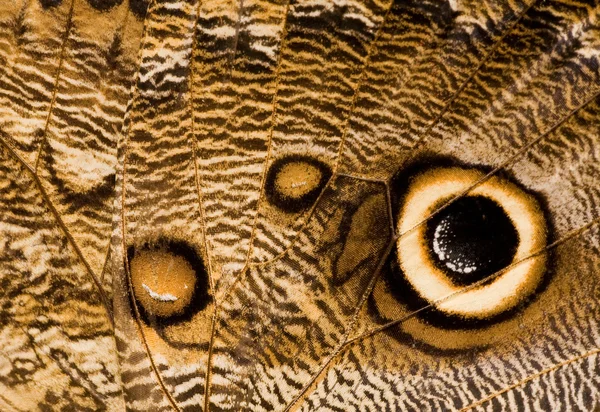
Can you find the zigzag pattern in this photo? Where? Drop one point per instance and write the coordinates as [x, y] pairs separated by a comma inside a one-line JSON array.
[[124, 124]]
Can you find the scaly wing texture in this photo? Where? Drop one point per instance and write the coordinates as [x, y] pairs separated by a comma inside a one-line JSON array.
[[302, 312], [65, 78], [301, 307]]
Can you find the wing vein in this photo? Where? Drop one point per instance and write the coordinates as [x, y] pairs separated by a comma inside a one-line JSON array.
[[63, 227], [61, 60], [135, 95], [269, 147], [529, 378], [566, 237], [346, 343]]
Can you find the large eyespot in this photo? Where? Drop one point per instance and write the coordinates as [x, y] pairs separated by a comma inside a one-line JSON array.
[[168, 281], [294, 182], [462, 252]]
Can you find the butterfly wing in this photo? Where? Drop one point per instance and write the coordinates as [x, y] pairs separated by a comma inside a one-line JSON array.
[[527, 107], [301, 309], [260, 239], [64, 84]]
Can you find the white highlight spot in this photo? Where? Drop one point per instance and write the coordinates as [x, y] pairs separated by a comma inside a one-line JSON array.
[[166, 297], [299, 184]]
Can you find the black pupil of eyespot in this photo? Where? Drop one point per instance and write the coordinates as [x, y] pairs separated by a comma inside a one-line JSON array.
[[472, 239]]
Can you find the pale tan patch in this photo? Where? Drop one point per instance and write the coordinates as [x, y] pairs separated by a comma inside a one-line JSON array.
[[296, 179]]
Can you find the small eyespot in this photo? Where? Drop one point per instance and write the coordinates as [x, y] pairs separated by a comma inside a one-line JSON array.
[[294, 182], [473, 255], [168, 281]]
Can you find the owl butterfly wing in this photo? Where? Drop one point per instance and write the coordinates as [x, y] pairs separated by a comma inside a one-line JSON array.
[[268, 155], [65, 79], [265, 250], [242, 95], [521, 98]]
